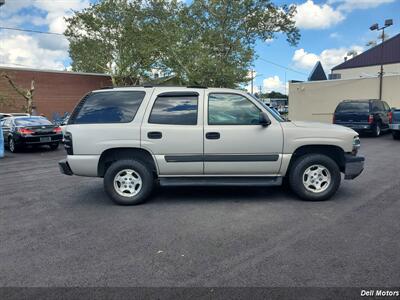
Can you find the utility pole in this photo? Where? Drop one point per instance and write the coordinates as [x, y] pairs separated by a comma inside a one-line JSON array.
[[252, 80], [375, 26]]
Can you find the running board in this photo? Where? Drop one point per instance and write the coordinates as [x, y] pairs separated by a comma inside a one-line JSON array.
[[221, 181]]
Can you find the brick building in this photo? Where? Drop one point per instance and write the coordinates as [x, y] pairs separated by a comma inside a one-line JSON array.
[[56, 92]]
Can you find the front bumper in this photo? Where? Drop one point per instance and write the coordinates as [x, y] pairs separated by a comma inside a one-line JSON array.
[[65, 168], [354, 165], [394, 126]]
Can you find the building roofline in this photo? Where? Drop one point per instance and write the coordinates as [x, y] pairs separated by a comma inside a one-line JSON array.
[[340, 66], [342, 79], [51, 71]]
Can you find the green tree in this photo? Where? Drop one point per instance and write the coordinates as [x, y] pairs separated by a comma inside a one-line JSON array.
[[109, 36], [206, 42]]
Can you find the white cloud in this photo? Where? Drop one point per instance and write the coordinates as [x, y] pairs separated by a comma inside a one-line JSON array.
[[313, 16], [335, 35], [36, 50], [349, 5], [275, 84], [329, 57], [304, 60], [24, 50]]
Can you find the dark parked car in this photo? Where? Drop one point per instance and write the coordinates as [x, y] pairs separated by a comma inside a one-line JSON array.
[[19, 132], [371, 116], [395, 123]]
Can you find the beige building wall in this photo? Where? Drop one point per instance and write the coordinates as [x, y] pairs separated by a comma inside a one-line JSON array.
[[390, 69], [317, 100]]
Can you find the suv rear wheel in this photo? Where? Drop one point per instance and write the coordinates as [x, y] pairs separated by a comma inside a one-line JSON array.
[[314, 177], [128, 182]]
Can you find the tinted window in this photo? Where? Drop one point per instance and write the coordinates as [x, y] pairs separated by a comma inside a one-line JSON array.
[[174, 110], [356, 106], [109, 107], [31, 121], [387, 107], [377, 106], [231, 109]]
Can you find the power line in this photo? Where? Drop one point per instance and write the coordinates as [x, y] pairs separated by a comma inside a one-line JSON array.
[[283, 67], [31, 31]]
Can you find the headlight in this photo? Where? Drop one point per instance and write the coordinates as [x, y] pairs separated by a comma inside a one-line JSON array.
[[356, 144]]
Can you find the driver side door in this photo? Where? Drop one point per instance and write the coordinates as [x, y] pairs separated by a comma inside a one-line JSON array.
[[234, 141]]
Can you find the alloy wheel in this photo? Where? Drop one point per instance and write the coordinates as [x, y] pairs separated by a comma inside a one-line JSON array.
[[127, 183], [316, 178]]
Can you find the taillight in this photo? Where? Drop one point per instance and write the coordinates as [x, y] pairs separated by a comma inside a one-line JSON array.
[[25, 131], [370, 119], [57, 130], [390, 115], [334, 119]]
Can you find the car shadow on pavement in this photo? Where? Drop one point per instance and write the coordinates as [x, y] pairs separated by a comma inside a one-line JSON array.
[[220, 194]]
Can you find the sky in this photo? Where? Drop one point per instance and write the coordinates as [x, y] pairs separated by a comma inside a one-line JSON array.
[[329, 30]]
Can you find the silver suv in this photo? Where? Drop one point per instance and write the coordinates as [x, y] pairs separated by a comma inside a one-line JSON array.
[[138, 137]]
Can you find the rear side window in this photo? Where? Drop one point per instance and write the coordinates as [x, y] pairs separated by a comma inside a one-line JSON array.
[[108, 107], [356, 106], [175, 109], [387, 107], [377, 106]]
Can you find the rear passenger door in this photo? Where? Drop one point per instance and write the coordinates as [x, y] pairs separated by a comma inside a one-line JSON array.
[[387, 111], [172, 130], [379, 108]]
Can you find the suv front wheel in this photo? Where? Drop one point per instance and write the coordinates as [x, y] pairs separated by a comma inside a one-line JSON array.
[[314, 177], [128, 182]]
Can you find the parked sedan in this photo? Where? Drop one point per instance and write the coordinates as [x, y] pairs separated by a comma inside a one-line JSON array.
[[370, 116], [20, 132]]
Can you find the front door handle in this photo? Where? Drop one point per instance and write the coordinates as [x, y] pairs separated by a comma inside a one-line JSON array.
[[154, 135], [213, 135]]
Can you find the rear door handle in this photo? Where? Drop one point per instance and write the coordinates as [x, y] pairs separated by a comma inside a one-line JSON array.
[[213, 135], [154, 135]]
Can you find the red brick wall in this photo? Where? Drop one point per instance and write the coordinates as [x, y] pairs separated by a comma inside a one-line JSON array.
[[54, 92]]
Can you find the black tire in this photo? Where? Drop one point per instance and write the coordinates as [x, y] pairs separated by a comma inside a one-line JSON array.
[[396, 134], [139, 167], [54, 146], [12, 146], [377, 130], [301, 164]]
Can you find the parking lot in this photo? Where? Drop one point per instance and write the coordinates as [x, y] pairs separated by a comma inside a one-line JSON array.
[[57, 230]]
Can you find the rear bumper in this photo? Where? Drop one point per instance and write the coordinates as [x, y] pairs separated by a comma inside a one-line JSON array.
[[354, 165], [357, 127], [65, 168], [394, 126], [38, 140]]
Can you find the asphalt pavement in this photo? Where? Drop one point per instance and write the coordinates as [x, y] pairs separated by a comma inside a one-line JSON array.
[[57, 230]]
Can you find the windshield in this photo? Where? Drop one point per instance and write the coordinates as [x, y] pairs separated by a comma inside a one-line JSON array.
[[32, 121], [353, 107], [273, 112]]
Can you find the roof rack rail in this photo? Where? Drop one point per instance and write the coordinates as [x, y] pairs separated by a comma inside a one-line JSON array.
[[109, 87], [196, 87]]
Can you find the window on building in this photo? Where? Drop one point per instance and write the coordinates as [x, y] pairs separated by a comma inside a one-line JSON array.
[[232, 109], [175, 109], [109, 107]]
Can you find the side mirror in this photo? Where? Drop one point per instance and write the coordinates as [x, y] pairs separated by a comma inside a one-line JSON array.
[[264, 119]]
